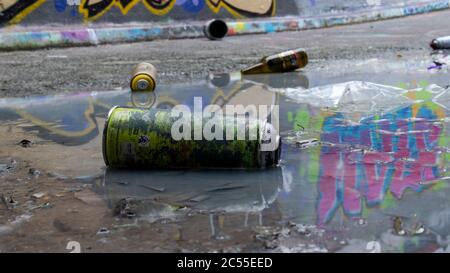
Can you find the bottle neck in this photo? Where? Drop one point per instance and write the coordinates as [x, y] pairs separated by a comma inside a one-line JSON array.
[[254, 69]]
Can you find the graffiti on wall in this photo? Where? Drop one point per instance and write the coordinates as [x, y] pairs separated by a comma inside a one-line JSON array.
[[63, 5], [239, 8], [92, 9], [13, 11]]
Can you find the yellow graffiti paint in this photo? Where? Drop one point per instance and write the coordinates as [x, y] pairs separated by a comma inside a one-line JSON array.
[[235, 6], [158, 11], [21, 15], [240, 26], [127, 8], [220, 95], [123, 9], [166, 100], [85, 12], [426, 97], [102, 104], [49, 126]]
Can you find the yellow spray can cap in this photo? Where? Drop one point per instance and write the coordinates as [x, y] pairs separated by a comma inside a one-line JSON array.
[[142, 82]]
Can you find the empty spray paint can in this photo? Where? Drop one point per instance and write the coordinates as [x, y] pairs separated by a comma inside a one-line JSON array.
[[143, 138], [283, 62], [215, 29], [143, 78], [441, 43]]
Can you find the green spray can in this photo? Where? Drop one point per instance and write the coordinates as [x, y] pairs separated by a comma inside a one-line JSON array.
[[150, 139]]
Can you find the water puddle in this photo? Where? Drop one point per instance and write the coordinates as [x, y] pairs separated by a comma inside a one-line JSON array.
[[360, 171]]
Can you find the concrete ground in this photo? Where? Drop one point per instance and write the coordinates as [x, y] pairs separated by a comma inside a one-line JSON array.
[[108, 67]]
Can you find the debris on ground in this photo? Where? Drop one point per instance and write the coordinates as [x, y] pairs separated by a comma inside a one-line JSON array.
[[306, 229], [25, 143], [14, 223], [34, 172], [45, 205], [3, 167], [436, 65], [440, 59], [411, 228], [418, 229], [440, 43], [6, 168], [268, 236], [57, 176], [88, 197], [287, 61], [291, 238], [304, 144], [38, 195], [9, 202], [303, 248], [362, 222], [125, 208], [302, 138], [103, 231], [398, 226]]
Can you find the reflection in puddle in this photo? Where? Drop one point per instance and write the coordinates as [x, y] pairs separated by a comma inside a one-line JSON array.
[[399, 152], [151, 193], [381, 160]]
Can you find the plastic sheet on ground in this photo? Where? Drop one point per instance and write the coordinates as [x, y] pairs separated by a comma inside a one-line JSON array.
[[441, 96], [354, 96]]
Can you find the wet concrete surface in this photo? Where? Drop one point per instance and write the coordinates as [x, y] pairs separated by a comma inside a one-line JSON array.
[[364, 173]]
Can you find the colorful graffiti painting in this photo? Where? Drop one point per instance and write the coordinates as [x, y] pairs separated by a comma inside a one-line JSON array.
[[241, 8], [63, 5], [192, 6], [79, 11], [159, 7], [92, 9], [96, 8], [402, 153], [13, 11], [375, 162]]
